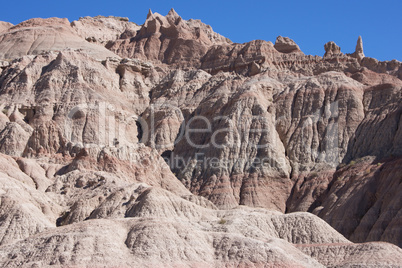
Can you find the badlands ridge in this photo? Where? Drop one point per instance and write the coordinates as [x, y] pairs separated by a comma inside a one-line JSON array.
[[166, 144]]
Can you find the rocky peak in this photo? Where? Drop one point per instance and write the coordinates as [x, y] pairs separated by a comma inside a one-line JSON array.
[[359, 45], [153, 24], [168, 39], [332, 50], [149, 13], [172, 26], [359, 54], [172, 16], [286, 45]]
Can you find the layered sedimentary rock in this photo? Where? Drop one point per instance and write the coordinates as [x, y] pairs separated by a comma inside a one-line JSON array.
[[35, 36], [106, 219], [359, 54], [5, 26], [286, 45], [91, 112], [168, 39], [364, 202], [104, 29], [332, 49]]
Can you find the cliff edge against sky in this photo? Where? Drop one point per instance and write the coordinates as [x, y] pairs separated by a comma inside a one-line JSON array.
[[167, 144]]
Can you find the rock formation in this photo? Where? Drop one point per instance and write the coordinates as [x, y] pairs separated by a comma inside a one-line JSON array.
[[35, 36], [359, 54], [4, 26], [168, 39], [286, 45], [170, 132], [102, 30], [132, 215], [332, 49]]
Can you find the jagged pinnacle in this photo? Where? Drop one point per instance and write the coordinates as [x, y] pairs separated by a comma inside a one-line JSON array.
[[359, 54], [359, 45], [173, 13], [173, 17], [149, 14]]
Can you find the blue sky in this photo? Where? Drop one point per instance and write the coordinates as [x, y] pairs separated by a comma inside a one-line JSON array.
[[310, 23]]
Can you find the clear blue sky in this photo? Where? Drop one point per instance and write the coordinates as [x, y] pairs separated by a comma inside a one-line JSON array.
[[310, 23]]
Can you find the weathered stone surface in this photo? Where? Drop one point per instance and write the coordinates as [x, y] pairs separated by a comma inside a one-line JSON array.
[[316, 118], [168, 39], [4, 26], [383, 110], [332, 49], [286, 45], [358, 54], [4, 64], [132, 242], [368, 254], [13, 139], [200, 229], [363, 201], [102, 30], [35, 36], [392, 67], [25, 210], [89, 132], [187, 233]]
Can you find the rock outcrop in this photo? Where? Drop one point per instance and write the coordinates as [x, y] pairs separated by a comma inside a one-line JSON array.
[[133, 215], [286, 45], [370, 254], [359, 54], [102, 30], [4, 26], [363, 201], [35, 36], [170, 132], [169, 40], [392, 67], [332, 50]]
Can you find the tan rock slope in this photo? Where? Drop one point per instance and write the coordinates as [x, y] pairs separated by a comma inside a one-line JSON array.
[[4, 26], [110, 220], [92, 110], [168, 39], [102, 30], [36, 36]]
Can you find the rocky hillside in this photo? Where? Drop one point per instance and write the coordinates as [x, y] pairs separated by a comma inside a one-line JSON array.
[[168, 144]]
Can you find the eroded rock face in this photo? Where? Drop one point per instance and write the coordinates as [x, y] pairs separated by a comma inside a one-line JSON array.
[[381, 101], [35, 36], [359, 54], [363, 201], [392, 67], [332, 49], [132, 214], [4, 26], [168, 39], [286, 45], [84, 133], [104, 29], [370, 254]]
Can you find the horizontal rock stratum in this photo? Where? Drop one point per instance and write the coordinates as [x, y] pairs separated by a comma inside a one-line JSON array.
[[166, 144]]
